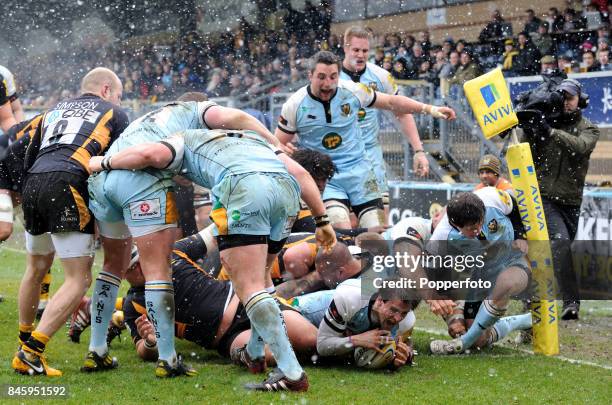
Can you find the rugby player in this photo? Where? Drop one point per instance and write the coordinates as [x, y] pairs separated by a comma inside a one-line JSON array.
[[356, 68], [11, 181], [141, 204], [256, 201], [321, 168], [55, 201], [351, 321], [325, 116], [483, 216], [208, 312], [10, 107]]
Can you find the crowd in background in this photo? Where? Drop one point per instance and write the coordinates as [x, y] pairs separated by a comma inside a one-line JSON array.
[[252, 60]]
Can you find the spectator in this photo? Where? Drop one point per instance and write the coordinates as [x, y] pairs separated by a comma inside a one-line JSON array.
[[468, 70], [572, 21], [542, 40], [589, 64], [448, 46], [400, 70], [495, 29], [379, 56], [460, 46], [532, 23], [423, 40], [547, 64], [425, 72], [603, 57], [565, 63], [507, 58], [439, 63], [450, 68], [527, 62], [388, 62], [236, 89], [555, 20]]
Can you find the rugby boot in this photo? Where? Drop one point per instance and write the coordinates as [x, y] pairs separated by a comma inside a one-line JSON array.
[[164, 370], [240, 357], [277, 381], [33, 364], [94, 362]]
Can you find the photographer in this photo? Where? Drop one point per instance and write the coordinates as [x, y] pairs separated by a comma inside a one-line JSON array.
[[561, 141]]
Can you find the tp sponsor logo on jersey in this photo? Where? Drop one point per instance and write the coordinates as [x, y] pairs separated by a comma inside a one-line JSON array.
[[331, 141], [236, 215], [146, 209]]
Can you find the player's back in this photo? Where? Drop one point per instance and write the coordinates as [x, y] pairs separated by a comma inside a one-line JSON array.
[[73, 131], [210, 155], [162, 123]]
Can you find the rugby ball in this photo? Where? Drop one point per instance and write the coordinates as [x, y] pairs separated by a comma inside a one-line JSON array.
[[372, 359]]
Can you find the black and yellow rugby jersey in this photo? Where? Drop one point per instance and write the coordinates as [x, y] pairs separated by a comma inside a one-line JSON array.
[[11, 162], [72, 132]]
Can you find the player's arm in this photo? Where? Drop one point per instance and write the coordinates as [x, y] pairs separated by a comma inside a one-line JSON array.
[[311, 282], [218, 117], [146, 346], [158, 155], [298, 259], [405, 105], [411, 133], [285, 140], [325, 235]]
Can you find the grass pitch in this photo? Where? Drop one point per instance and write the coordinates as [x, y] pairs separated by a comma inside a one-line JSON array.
[[501, 375]]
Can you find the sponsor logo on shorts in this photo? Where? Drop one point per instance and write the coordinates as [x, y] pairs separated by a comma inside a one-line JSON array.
[[69, 216], [146, 209]]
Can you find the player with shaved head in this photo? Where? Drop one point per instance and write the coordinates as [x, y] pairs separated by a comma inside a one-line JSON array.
[[55, 200]]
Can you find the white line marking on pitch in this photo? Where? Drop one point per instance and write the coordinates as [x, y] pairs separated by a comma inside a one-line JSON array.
[[440, 332]]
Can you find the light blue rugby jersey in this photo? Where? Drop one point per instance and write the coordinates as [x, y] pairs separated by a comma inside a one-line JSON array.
[[207, 156], [497, 230], [329, 127], [379, 80], [162, 123]]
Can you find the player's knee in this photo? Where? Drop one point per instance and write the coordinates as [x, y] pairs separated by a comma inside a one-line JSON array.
[[510, 282], [337, 212], [371, 217]]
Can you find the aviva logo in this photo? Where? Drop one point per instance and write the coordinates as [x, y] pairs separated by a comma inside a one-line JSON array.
[[489, 94]]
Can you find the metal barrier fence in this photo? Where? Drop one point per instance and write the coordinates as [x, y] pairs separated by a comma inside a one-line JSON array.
[[459, 142]]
